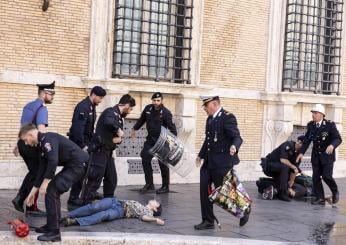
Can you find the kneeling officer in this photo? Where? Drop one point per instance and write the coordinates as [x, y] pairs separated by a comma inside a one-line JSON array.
[[280, 163], [56, 150]]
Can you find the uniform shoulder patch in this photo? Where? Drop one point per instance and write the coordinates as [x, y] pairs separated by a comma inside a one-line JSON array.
[[287, 147], [48, 146]]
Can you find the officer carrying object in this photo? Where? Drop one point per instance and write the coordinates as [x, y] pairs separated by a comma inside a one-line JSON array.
[[170, 151]]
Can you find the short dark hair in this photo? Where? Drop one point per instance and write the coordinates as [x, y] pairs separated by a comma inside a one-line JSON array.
[[127, 99], [301, 138], [26, 128], [98, 91], [158, 211]]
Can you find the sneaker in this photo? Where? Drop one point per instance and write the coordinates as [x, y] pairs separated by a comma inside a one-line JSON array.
[[268, 193], [67, 221]]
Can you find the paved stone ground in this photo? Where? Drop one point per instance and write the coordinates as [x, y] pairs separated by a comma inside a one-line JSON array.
[[298, 221]]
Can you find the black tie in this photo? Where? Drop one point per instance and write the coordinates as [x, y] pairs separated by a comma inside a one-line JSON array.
[[317, 125]]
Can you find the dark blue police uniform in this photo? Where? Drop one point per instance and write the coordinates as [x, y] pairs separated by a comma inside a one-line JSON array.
[[322, 164], [83, 122], [154, 119], [81, 132], [102, 161], [59, 151], [221, 133], [273, 167]]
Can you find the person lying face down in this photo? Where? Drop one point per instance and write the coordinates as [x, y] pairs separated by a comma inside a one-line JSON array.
[[109, 209]]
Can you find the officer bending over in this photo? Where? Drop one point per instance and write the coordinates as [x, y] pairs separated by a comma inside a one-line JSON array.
[[57, 151], [280, 164]]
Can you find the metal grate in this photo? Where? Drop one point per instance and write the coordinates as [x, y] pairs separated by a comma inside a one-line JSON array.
[[313, 46], [153, 40], [135, 166]]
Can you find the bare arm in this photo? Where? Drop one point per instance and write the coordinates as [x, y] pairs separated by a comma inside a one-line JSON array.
[[148, 218]]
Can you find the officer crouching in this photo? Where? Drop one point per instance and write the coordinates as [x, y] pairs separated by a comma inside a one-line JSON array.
[[57, 151], [280, 164]]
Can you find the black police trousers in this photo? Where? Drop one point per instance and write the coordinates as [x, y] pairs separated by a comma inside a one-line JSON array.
[[147, 168], [322, 166], [61, 183], [102, 165], [208, 176], [109, 183], [31, 157], [280, 174]]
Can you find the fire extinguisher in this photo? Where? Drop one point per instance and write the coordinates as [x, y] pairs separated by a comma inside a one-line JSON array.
[[20, 227]]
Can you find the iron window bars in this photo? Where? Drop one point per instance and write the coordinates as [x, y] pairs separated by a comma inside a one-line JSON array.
[[153, 40], [313, 46]]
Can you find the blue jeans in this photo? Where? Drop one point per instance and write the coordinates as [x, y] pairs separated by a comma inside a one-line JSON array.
[[104, 210]]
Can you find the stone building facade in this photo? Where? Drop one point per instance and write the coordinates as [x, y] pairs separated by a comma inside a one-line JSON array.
[[238, 50]]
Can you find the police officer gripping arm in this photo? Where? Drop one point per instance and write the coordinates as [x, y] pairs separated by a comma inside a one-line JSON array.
[[325, 138], [57, 151]]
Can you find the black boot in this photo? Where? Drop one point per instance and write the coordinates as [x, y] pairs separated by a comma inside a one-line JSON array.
[[147, 188], [42, 229], [283, 196], [335, 197], [243, 220], [18, 202], [318, 201], [52, 236], [163, 189], [204, 225], [74, 204]]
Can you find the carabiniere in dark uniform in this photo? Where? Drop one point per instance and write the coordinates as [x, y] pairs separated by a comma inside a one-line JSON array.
[[154, 119], [322, 163], [83, 122], [102, 161], [59, 151]]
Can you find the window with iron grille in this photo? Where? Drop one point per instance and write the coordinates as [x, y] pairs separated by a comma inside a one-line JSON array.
[[313, 46], [153, 40]]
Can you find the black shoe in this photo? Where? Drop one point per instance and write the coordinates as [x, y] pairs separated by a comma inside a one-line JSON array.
[[67, 221], [284, 197], [163, 189], [18, 203], [318, 201], [42, 229], [335, 197], [52, 236], [147, 187], [204, 226], [35, 212], [98, 196], [243, 220]]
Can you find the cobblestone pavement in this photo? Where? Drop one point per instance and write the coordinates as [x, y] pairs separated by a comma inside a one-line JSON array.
[[296, 221]]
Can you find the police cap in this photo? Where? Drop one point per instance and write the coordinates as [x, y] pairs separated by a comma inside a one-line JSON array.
[[157, 95], [98, 91], [47, 87], [206, 99]]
